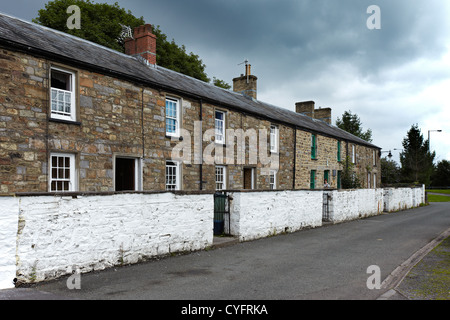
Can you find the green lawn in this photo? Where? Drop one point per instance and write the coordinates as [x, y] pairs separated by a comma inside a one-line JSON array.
[[438, 198], [439, 191]]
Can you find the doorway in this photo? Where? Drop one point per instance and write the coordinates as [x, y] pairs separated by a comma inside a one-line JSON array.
[[249, 178], [125, 177]]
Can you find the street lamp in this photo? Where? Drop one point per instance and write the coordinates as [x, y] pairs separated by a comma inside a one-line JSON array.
[[389, 155], [429, 150]]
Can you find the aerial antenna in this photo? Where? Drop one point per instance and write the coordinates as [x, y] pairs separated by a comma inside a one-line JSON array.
[[247, 70], [126, 33]]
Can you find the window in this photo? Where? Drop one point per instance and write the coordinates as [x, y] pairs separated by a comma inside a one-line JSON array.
[[273, 179], [312, 183], [63, 95], [127, 174], [172, 175], [313, 146], [374, 158], [172, 117], [374, 180], [220, 127], [62, 172], [273, 139], [339, 151], [353, 153], [368, 180], [221, 178]]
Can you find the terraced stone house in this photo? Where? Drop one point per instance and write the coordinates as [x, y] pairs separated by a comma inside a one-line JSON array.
[[79, 117]]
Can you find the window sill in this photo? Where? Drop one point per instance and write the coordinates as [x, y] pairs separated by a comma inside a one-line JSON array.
[[77, 123]]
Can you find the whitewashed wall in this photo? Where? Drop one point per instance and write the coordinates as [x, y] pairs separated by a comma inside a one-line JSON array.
[[9, 215], [345, 205], [403, 198], [257, 215], [59, 234]]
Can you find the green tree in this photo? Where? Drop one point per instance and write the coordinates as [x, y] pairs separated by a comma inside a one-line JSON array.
[[390, 172], [349, 179], [352, 124], [416, 159], [441, 176], [101, 23]]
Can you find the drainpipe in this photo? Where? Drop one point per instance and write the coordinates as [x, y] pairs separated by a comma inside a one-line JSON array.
[[295, 157], [201, 146]]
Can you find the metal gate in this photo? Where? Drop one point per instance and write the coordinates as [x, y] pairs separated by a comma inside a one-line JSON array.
[[326, 207], [221, 214]]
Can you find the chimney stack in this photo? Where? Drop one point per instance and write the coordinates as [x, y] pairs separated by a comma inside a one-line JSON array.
[[143, 44], [308, 109], [246, 84]]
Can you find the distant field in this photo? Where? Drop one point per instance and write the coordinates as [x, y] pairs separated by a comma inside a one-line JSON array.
[[438, 198], [439, 191]]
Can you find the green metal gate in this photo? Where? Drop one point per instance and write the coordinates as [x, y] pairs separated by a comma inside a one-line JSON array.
[[221, 214]]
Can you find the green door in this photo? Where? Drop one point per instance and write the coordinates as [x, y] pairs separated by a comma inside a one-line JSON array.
[[339, 173], [313, 179]]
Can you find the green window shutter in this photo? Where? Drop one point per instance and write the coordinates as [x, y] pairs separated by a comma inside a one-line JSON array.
[[313, 146], [313, 179], [339, 151]]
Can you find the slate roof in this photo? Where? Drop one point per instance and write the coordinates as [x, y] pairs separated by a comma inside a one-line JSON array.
[[61, 47]]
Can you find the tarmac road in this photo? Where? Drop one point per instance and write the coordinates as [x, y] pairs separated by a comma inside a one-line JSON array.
[[326, 263]]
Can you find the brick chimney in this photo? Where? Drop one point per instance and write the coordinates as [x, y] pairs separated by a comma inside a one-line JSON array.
[[246, 84], [308, 109], [143, 44]]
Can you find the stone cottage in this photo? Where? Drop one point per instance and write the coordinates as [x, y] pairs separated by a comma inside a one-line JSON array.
[[79, 117]]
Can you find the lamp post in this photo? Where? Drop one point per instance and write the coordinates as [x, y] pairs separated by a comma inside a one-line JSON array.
[[429, 147], [389, 155]]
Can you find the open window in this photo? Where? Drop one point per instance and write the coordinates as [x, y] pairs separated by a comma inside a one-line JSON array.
[[63, 94]]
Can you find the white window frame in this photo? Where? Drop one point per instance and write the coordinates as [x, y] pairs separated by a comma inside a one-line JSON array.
[[273, 177], [223, 176], [368, 179], [353, 154], [374, 180], [274, 138], [175, 118], [62, 115], [73, 186], [374, 158], [173, 165], [219, 125]]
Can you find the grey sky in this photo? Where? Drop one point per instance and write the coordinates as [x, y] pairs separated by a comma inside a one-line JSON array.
[[320, 50]]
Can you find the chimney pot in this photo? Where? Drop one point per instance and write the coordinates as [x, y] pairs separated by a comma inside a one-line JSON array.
[[143, 44]]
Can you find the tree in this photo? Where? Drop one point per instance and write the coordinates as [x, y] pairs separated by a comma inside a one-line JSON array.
[[101, 23], [390, 172], [416, 159], [441, 176], [349, 179], [352, 124]]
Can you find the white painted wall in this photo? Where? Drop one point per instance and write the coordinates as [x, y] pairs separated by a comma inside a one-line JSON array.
[[9, 215], [257, 215], [403, 198], [348, 205], [60, 234]]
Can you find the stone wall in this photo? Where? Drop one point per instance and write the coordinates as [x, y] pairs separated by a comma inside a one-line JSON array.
[[9, 211], [257, 215], [96, 232]]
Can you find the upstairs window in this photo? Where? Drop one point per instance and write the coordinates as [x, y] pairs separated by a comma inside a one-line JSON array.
[[172, 117], [353, 154], [63, 95], [339, 151], [273, 139], [220, 127], [313, 146]]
